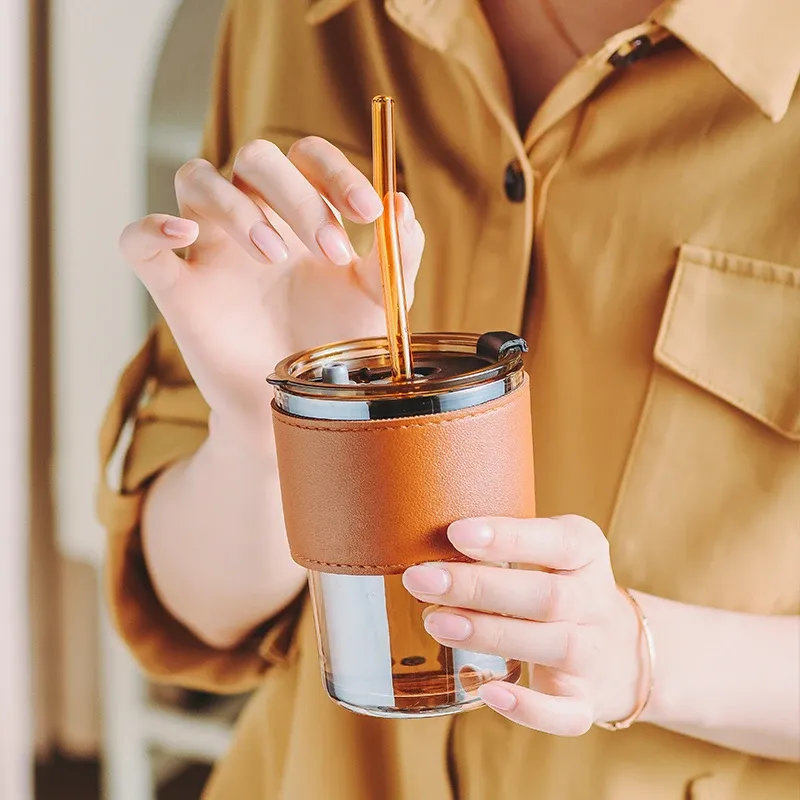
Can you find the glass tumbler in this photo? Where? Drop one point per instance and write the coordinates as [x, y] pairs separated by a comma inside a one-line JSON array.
[[376, 657]]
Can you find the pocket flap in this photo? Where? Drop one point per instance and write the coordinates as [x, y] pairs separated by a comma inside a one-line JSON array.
[[732, 326]]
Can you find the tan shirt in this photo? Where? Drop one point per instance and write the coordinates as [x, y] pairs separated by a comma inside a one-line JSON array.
[[647, 242]]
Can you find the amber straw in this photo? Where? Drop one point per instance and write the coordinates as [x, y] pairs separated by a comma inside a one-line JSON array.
[[394, 290]]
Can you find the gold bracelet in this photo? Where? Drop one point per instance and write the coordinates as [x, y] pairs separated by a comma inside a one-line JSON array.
[[647, 679]]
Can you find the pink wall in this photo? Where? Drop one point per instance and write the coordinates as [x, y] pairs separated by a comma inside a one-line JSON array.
[[15, 728]]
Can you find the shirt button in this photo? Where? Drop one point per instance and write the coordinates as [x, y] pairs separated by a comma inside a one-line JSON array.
[[514, 182], [635, 50]]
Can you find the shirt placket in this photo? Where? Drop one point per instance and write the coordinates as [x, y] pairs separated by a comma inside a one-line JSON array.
[[556, 124], [513, 222], [497, 275]]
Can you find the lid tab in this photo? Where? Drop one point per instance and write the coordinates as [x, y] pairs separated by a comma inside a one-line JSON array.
[[499, 344]]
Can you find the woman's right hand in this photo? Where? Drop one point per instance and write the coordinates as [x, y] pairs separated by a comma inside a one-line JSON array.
[[269, 270]]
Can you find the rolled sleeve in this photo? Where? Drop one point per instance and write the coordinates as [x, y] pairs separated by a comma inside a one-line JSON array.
[[170, 421]]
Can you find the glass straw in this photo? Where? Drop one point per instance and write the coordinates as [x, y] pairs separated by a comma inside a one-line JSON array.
[[394, 290]]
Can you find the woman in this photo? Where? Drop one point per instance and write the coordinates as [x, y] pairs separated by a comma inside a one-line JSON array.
[[619, 184]]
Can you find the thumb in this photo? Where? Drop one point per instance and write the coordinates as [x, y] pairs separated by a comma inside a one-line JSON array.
[[412, 243], [148, 244]]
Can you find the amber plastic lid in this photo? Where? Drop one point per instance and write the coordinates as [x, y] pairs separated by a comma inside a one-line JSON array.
[[442, 362], [450, 370]]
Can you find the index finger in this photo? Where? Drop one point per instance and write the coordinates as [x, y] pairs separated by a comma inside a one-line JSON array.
[[332, 174], [268, 172], [559, 543]]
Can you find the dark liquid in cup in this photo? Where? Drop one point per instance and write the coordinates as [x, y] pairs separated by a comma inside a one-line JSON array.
[[403, 671]]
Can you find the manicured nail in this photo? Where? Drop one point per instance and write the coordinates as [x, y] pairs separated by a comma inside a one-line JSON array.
[[269, 242], [334, 244], [426, 579], [406, 212], [179, 228], [470, 534], [445, 625], [495, 695], [365, 202]]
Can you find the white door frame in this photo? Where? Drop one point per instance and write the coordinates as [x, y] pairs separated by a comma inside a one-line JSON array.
[[102, 66], [102, 63]]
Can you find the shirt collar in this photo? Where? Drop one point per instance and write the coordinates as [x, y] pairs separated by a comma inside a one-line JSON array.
[[753, 43]]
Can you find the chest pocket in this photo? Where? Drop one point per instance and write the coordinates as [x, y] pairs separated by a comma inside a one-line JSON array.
[[709, 508]]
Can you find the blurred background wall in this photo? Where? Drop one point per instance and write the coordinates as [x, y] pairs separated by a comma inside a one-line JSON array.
[[101, 102]]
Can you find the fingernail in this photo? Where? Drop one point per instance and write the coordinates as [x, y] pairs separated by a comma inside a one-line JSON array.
[[448, 626], [365, 202], [269, 242], [497, 696], [426, 579], [334, 244], [469, 534], [179, 228], [406, 211]]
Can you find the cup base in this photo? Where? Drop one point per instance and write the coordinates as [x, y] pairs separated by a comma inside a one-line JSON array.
[[420, 696], [389, 712]]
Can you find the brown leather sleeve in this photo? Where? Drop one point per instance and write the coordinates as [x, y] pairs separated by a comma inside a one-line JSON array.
[[374, 497]]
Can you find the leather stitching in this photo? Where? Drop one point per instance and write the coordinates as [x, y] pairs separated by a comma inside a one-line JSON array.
[[402, 565]]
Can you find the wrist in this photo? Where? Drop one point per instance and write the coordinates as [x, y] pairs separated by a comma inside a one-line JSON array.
[[670, 697], [241, 436], [635, 666]]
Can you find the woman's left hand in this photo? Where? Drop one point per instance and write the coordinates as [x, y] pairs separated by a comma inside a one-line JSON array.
[[563, 613]]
